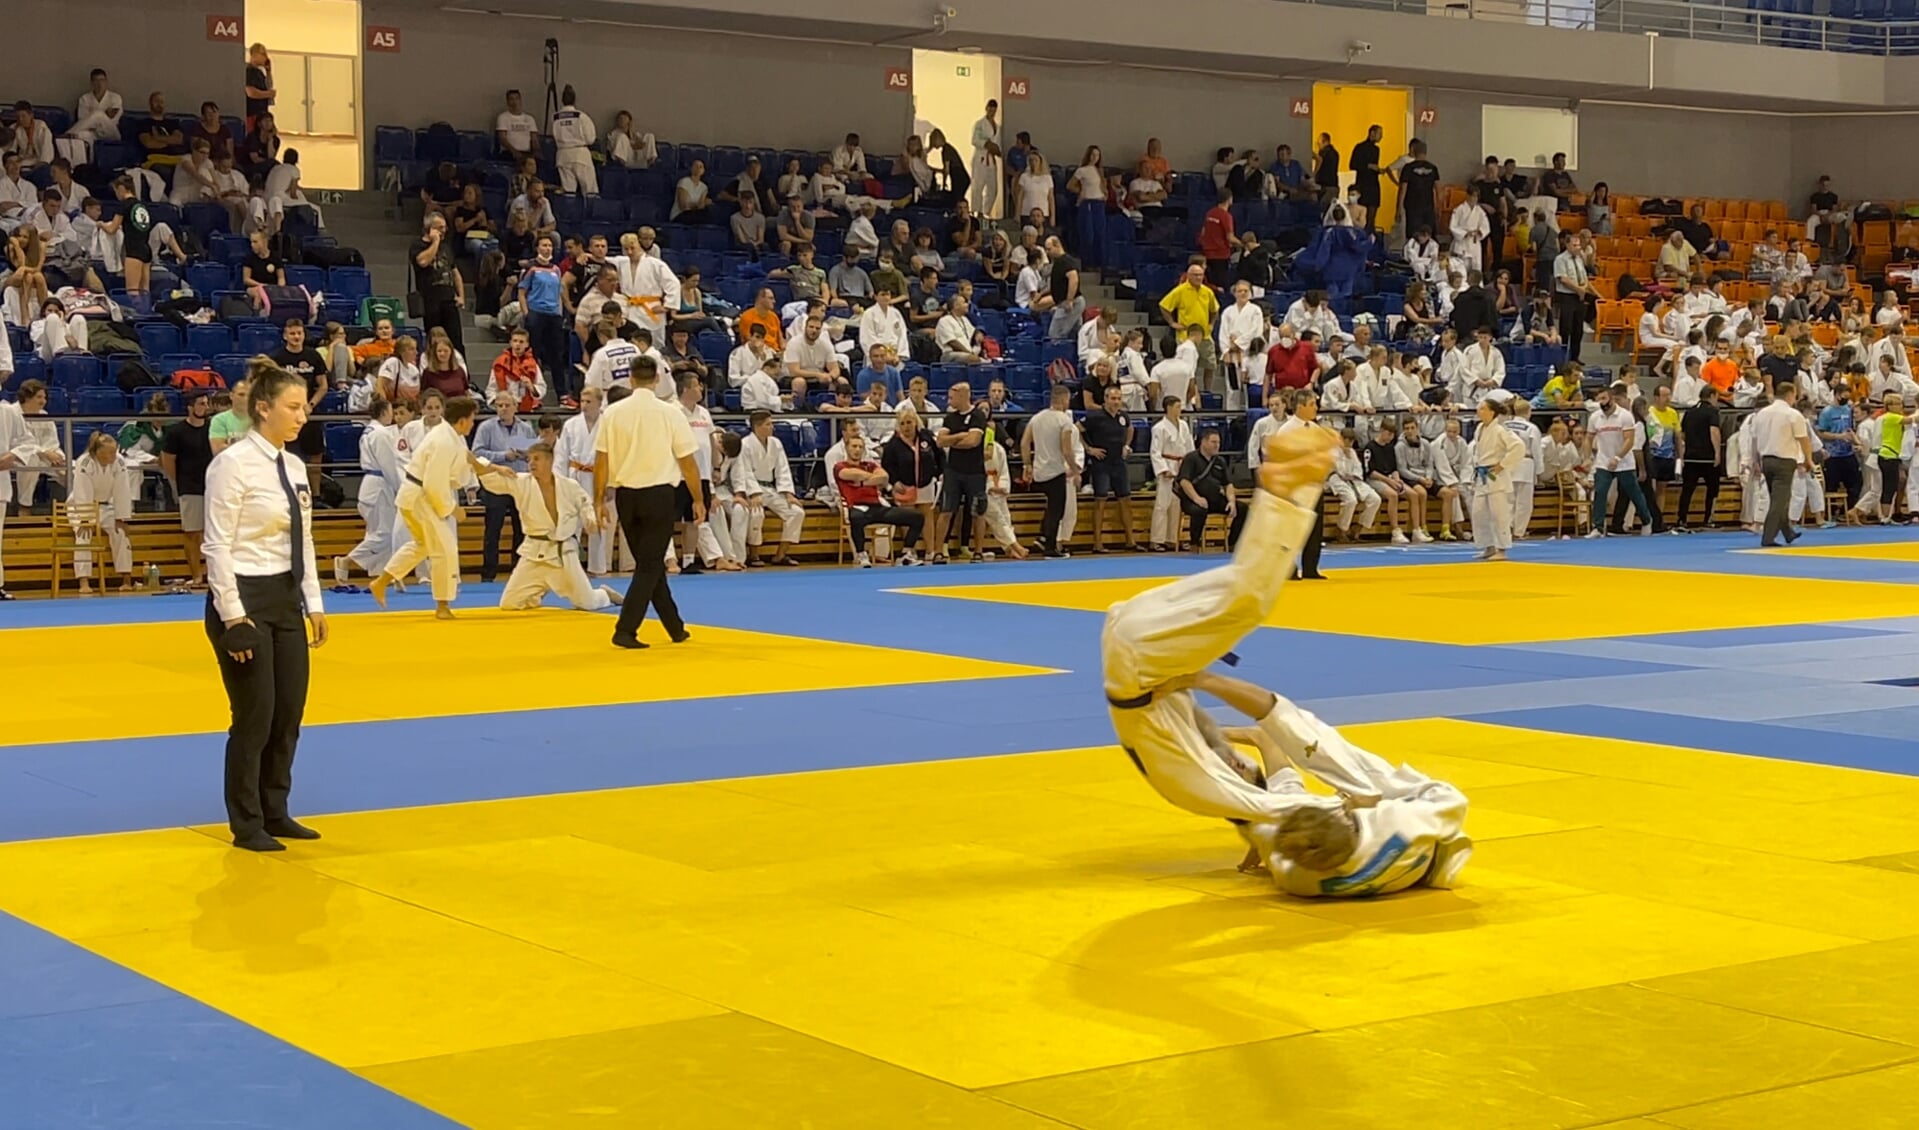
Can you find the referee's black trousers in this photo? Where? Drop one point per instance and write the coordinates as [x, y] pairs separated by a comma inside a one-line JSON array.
[[648, 516], [268, 696]]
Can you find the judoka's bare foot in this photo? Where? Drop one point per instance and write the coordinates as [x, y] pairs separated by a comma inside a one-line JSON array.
[[443, 612], [1297, 458], [378, 589], [1252, 864], [613, 596]]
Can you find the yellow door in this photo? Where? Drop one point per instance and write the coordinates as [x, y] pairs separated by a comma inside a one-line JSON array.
[[1347, 112]]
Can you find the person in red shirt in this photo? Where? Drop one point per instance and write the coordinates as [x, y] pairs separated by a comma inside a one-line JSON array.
[[859, 480], [1216, 239], [1293, 361]]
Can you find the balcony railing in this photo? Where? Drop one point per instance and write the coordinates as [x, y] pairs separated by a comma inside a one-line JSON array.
[[1765, 23]]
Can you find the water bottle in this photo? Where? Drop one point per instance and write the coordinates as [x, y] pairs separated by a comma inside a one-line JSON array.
[[153, 577]]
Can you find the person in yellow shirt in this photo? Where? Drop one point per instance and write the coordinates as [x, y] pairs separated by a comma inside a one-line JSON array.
[[1892, 438], [1193, 302], [1563, 390]]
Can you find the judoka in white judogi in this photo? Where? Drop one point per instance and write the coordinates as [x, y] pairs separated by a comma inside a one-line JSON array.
[[550, 554], [1393, 828]]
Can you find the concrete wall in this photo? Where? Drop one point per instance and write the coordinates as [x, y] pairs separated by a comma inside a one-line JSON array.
[[144, 45]]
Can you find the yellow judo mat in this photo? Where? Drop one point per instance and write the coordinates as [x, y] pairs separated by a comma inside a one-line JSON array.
[[1858, 551], [1719, 942], [1512, 602], [381, 666]]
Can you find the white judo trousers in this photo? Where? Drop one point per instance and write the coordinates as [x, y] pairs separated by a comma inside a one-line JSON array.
[[564, 578], [1355, 498], [791, 515], [1184, 627], [431, 539], [401, 536], [378, 511]]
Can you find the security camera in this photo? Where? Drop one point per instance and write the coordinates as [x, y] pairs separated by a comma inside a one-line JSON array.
[[1361, 47]]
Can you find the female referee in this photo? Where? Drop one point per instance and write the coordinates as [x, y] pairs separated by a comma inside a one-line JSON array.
[[263, 595]]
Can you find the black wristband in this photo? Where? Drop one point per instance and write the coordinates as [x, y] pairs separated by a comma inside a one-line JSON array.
[[242, 637]]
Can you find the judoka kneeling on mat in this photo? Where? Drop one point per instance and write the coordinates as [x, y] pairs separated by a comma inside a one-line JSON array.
[[554, 512], [1391, 828]]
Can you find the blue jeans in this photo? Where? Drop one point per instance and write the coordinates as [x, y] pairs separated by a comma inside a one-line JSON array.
[[1603, 481], [1092, 232]]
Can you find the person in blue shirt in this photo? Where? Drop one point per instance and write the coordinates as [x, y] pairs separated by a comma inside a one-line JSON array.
[[1835, 429], [502, 441], [1290, 176], [546, 322]]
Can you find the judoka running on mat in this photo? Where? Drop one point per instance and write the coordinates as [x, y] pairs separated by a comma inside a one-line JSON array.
[[1390, 830]]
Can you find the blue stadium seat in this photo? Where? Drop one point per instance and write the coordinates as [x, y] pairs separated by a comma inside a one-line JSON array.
[[26, 367], [392, 143], [257, 337], [349, 284], [333, 404], [231, 367], [714, 348], [75, 371], [475, 145], [171, 363], [342, 443], [100, 402], [207, 279], [209, 340], [205, 220], [158, 337], [607, 208], [301, 274]]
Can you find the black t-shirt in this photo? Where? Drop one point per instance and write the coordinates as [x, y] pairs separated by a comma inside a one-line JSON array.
[[967, 460], [308, 363], [1381, 458], [258, 80], [1776, 368], [153, 126], [1419, 184], [265, 271], [461, 214], [1062, 267], [1208, 476], [136, 227], [1108, 432], [444, 190], [1556, 182], [437, 275], [1518, 185], [1696, 426], [1825, 201], [192, 450], [1364, 159], [1327, 174]]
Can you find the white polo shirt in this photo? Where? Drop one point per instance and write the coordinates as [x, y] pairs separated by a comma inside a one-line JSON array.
[[1776, 431], [643, 439]]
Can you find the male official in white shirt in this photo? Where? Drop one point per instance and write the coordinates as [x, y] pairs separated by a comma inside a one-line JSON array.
[[573, 138], [1783, 444], [644, 450]]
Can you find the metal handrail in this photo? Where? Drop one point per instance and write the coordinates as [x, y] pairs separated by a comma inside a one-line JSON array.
[[1724, 21]]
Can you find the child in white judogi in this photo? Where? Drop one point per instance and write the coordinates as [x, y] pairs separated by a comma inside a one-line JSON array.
[[1453, 463], [1175, 375], [765, 479], [100, 479], [573, 457], [1527, 473], [1172, 441], [728, 517], [1393, 828], [999, 518], [432, 411], [380, 471], [1754, 497], [1868, 433], [1348, 485], [428, 494], [554, 512]]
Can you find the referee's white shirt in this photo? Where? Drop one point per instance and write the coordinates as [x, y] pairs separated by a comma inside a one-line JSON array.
[[643, 439], [1776, 431], [249, 523]]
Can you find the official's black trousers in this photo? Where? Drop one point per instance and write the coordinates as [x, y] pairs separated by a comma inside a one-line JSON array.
[[442, 311], [1055, 490], [1570, 311], [500, 509], [268, 696], [1315, 541], [648, 516], [1779, 474], [1691, 477]]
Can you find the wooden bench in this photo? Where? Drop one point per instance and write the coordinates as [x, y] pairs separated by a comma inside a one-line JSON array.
[[156, 537]]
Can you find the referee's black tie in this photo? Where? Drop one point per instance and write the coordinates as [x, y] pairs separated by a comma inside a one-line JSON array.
[[298, 527]]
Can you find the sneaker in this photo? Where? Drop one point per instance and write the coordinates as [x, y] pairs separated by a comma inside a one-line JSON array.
[[1399, 537], [1591, 534], [1422, 537], [910, 558], [864, 561]]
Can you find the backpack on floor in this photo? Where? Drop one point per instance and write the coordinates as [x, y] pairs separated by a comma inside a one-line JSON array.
[[330, 257]]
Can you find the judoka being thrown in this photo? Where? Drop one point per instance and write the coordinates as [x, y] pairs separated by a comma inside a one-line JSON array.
[[1388, 830]]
